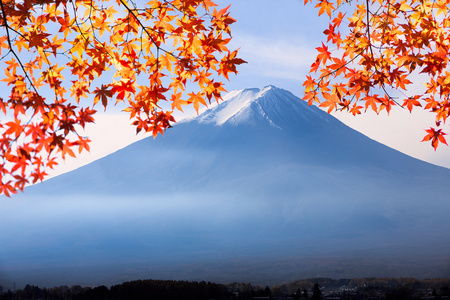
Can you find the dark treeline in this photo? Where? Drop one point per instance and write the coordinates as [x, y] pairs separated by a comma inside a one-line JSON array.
[[143, 289], [306, 289], [374, 282], [369, 288]]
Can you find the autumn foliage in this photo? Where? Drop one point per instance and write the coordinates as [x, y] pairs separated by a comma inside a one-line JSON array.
[[376, 53], [62, 59]]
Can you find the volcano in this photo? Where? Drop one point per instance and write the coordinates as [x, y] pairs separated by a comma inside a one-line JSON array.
[[260, 188]]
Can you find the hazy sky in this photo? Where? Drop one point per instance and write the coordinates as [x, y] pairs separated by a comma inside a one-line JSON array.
[[278, 39]]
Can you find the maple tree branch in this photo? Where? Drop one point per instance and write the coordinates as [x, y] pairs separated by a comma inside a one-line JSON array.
[[144, 28], [7, 27], [80, 31], [29, 148], [11, 47], [322, 78], [387, 21], [376, 71], [173, 6], [368, 26]]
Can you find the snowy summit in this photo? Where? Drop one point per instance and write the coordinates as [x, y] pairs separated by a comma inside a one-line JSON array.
[[271, 104]]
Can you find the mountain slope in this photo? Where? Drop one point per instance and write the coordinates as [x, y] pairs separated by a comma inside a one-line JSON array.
[[261, 185]]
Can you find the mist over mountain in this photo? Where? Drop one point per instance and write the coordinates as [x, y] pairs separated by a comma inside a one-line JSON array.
[[259, 188]]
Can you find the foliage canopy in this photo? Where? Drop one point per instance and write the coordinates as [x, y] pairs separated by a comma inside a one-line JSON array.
[[62, 57], [388, 46]]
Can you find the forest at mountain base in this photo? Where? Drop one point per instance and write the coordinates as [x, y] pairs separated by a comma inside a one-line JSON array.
[[314, 289]]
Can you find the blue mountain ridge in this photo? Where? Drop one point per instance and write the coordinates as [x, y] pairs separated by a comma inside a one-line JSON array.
[[261, 187]]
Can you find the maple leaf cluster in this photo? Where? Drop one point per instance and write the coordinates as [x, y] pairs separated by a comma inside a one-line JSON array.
[[63, 57], [379, 51]]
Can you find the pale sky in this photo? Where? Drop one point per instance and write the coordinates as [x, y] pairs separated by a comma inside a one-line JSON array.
[[278, 39]]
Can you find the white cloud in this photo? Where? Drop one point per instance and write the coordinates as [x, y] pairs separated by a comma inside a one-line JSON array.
[[281, 58]]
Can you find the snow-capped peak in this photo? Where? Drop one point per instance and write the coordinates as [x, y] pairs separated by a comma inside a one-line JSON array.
[[233, 103], [270, 104]]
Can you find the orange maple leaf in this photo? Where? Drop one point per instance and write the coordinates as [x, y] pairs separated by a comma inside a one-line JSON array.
[[324, 54], [411, 102], [435, 136], [325, 6], [102, 94]]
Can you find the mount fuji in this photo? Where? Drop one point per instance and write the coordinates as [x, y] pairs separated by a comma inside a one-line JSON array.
[[259, 188]]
